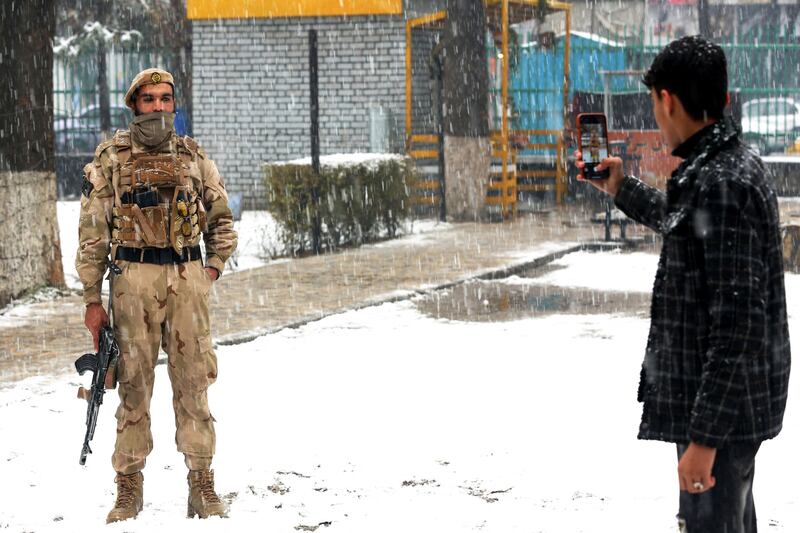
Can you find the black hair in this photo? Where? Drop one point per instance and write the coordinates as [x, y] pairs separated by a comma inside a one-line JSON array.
[[695, 70]]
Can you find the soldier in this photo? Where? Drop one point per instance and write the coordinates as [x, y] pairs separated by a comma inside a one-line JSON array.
[[148, 196]]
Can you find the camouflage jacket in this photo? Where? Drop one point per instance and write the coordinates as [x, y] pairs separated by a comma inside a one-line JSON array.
[[101, 189]]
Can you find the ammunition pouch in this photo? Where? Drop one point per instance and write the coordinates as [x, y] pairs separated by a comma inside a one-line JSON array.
[[141, 226], [186, 223], [160, 206], [157, 171]]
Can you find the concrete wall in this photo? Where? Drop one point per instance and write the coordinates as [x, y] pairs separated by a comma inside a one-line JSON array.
[[30, 251], [251, 90]]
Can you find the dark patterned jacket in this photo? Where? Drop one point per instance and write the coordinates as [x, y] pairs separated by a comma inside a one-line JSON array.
[[716, 367]]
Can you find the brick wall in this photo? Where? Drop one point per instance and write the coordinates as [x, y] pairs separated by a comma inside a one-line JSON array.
[[251, 90]]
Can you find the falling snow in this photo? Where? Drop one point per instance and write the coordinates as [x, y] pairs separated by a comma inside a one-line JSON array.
[[482, 405]]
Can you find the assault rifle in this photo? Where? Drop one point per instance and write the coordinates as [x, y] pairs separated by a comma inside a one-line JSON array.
[[103, 366]]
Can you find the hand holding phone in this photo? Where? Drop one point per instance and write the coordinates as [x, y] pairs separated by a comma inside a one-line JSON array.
[[593, 144]]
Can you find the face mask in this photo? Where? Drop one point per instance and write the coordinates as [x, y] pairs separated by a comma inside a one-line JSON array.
[[152, 129]]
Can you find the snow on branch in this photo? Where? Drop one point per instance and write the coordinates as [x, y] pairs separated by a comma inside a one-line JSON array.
[[90, 35]]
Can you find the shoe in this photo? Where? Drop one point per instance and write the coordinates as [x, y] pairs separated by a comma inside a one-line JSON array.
[[203, 501], [129, 497]]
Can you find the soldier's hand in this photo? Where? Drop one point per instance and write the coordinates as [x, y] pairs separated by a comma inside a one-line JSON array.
[[94, 320], [213, 273]]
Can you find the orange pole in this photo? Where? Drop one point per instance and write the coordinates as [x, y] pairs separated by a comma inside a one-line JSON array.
[[427, 19]]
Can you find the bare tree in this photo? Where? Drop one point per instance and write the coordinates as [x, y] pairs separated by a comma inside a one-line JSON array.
[[182, 58], [466, 75], [465, 96], [30, 254]]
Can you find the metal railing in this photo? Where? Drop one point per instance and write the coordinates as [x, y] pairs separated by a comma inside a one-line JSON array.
[[76, 95], [762, 75]]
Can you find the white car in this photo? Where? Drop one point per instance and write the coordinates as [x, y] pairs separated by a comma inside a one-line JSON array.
[[770, 123]]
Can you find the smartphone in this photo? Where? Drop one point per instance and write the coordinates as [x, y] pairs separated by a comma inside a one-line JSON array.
[[593, 144]]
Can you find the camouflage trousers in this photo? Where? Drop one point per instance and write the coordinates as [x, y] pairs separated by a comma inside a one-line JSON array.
[[164, 305]]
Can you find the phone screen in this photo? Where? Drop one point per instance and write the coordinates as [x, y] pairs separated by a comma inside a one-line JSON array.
[[594, 145]]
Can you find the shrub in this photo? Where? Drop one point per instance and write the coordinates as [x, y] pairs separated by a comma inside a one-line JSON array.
[[347, 204]]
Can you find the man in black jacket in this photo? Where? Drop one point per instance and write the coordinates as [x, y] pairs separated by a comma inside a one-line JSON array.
[[716, 368]]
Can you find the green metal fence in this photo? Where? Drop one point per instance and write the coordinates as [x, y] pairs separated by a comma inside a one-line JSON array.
[[763, 76], [764, 80], [76, 95]]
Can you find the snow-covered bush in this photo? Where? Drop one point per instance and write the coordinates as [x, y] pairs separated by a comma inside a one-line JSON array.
[[356, 198]]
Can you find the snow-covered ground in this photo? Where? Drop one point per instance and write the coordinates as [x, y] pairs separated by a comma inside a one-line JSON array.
[[613, 270], [68, 213], [385, 419]]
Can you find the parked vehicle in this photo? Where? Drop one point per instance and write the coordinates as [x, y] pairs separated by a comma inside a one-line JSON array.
[[81, 133], [770, 124]]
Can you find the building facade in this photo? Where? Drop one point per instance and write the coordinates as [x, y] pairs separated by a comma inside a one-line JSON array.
[[251, 82]]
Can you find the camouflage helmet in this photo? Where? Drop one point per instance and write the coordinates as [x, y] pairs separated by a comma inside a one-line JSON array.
[[148, 76]]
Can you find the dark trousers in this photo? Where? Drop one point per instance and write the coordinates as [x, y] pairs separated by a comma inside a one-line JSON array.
[[728, 507]]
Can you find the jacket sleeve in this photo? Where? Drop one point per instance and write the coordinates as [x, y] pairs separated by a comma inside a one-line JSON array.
[[94, 229], [220, 237], [734, 272], [641, 202]]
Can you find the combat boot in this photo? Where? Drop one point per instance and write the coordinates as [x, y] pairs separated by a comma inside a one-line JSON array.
[[203, 501], [129, 497]]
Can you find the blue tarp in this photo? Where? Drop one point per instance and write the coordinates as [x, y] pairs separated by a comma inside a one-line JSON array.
[[537, 84]]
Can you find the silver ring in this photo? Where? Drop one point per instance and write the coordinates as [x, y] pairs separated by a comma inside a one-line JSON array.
[[698, 486]]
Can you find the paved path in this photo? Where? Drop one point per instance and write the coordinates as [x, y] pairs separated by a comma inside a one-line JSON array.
[[288, 292]]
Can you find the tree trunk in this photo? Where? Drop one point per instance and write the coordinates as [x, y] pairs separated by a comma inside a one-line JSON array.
[[182, 61], [466, 74], [103, 12], [465, 117], [30, 254]]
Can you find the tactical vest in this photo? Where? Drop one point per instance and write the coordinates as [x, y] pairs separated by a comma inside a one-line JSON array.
[[157, 198]]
